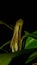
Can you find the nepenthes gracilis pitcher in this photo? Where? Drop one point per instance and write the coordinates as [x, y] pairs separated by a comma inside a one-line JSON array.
[[16, 43]]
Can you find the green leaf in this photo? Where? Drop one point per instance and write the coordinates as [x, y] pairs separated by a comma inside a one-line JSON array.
[[31, 43], [31, 57], [6, 58], [35, 33]]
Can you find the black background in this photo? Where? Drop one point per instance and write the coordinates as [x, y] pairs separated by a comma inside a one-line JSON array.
[[30, 22]]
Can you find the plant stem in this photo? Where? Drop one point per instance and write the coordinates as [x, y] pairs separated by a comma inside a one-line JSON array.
[[4, 44]]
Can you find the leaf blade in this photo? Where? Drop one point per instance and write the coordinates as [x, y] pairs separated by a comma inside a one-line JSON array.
[[31, 57]]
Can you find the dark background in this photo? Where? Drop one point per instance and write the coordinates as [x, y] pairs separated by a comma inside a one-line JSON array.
[[30, 22], [30, 25]]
